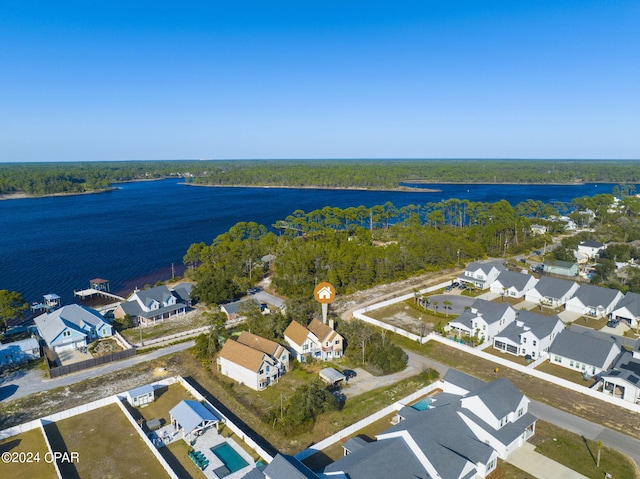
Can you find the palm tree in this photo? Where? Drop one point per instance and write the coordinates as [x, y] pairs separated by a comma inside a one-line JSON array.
[[435, 307], [447, 304]]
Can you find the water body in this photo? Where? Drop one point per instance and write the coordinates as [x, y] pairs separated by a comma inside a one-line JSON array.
[[132, 235]]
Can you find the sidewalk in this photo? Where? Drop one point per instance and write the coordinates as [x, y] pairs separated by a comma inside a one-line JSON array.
[[539, 466]]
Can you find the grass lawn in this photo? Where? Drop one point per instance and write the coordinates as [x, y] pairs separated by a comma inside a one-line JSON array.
[[516, 359], [580, 454], [564, 373], [31, 442], [504, 470], [166, 399], [107, 445], [191, 320], [592, 323], [176, 455]]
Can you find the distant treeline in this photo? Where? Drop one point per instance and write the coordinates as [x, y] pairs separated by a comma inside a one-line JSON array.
[[79, 177]]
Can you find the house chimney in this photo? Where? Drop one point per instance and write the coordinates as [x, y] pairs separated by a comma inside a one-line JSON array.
[[331, 323]]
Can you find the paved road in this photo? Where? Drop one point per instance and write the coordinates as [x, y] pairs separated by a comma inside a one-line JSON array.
[[22, 384]]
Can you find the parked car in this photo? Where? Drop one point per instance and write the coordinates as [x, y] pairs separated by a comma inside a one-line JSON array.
[[455, 284], [349, 373], [462, 286], [448, 288], [613, 323]]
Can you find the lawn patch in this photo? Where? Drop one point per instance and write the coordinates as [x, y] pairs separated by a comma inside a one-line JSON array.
[[31, 443]]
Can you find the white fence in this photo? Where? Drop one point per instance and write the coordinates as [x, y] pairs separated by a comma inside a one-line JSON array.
[[50, 449], [173, 337], [348, 431], [360, 314]]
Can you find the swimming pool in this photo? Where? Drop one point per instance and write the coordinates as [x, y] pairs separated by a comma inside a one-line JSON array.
[[422, 404], [230, 458]]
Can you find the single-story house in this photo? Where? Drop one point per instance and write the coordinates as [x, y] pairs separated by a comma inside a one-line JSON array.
[[248, 366], [481, 274], [149, 306], [19, 351], [192, 417], [72, 327], [584, 350], [485, 319], [562, 268], [318, 341], [513, 285], [141, 396], [593, 300], [589, 249], [530, 334], [628, 309], [235, 309], [552, 292]]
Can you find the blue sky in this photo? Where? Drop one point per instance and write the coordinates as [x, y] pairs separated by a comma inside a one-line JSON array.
[[93, 80]]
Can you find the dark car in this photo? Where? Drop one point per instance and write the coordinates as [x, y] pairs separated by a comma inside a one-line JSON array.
[[349, 373], [613, 323], [448, 288]]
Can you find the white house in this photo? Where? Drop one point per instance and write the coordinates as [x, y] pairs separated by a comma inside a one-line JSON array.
[[512, 285], [485, 319], [583, 351], [552, 292], [589, 249], [628, 309], [149, 306], [538, 229], [318, 341], [19, 351], [593, 300], [72, 327], [248, 366], [623, 380], [530, 334], [460, 435], [482, 273], [277, 352]]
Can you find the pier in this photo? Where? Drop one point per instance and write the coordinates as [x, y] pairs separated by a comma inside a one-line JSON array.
[[97, 287]]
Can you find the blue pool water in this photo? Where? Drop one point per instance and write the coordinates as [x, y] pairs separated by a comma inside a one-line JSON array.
[[422, 404], [231, 459]]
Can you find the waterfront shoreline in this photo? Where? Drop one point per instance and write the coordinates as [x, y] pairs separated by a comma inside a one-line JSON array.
[[27, 196], [326, 188]]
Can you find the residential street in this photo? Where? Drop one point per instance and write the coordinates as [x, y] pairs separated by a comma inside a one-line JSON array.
[[16, 386]]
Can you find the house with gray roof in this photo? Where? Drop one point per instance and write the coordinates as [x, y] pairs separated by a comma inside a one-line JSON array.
[[71, 327], [562, 268], [623, 380], [153, 305], [481, 274], [584, 350], [18, 352], [485, 319], [531, 334], [589, 249], [513, 285], [594, 301], [551, 292], [282, 467], [458, 436], [628, 309]]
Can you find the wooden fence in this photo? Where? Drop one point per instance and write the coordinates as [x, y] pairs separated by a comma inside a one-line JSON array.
[[55, 372]]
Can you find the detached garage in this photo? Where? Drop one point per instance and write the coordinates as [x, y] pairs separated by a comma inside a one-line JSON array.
[[331, 376]]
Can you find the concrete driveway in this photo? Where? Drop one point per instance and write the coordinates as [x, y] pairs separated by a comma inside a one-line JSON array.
[[568, 316], [539, 466]]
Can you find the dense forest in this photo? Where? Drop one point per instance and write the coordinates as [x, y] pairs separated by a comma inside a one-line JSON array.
[[80, 177], [355, 248]]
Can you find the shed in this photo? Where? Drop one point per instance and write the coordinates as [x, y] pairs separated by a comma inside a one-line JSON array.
[[331, 375], [192, 417], [141, 396]]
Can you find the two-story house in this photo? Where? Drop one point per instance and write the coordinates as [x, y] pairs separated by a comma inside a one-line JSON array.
[[248, 366], [584, 350], [594, 301], [551, 292], [530, 334], [149, 306], [484, 320], [589, 249], [317, 341], [276, 351], [481, 274], [513, 285]]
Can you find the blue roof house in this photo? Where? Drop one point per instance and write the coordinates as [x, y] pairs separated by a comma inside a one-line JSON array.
[[72, 327]]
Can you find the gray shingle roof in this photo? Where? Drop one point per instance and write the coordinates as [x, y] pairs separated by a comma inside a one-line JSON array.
[[287, 467], [501, 397], [591, 295], [539, 324], [582, 347], [462, 380], [490, 311], [158, 293], [553, 287], [591, 244], [631, 301], [485, 266], [511, 279]]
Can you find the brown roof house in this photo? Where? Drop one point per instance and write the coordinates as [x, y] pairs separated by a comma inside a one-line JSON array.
[[253, 361], [317, 341]]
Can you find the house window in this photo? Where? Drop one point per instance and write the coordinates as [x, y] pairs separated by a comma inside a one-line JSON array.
[[535, 342], [337, 341], [557, 359], [66, 334], [520, 411], [261, 371], [524, 340], [305, 347], [571, 363], [328, 344]]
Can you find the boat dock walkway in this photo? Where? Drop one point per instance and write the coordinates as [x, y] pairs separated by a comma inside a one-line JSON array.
[[91, 292]]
